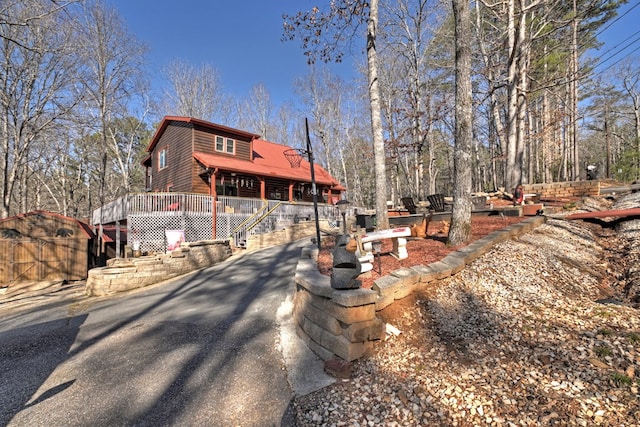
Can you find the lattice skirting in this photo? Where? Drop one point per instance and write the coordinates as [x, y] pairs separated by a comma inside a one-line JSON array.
[[150, 230]]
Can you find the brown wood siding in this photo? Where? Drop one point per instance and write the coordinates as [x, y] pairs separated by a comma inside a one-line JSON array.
[[50, 258], [243, 150], [277, 189], [204, 141], [38, 225], [177, 140], [199, 182]]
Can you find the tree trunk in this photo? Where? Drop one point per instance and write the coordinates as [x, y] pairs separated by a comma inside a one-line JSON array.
[[376, 121], [460, 230], [574, 95], [512, 101], [522, 94]]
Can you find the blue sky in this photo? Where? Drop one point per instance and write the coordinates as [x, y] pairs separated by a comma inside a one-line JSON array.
[[621, 36], [241, 38]]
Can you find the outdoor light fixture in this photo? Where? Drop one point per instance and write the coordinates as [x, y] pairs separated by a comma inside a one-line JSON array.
[[377, 252], [343, 205]]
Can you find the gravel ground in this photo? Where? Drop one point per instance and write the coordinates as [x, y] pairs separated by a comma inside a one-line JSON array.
[[537, 332]]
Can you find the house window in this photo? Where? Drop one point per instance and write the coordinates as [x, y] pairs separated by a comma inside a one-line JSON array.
[[162, 159], [225, 145], [230, 145]]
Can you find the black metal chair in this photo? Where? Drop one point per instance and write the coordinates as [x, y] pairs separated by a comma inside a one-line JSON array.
[[409, 205], [436, 202]]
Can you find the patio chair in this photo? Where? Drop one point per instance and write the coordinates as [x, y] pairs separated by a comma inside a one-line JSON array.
[[410, 205], [436, 202], [479, 202]]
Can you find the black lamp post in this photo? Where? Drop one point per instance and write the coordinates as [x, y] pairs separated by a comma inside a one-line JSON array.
[[293, 155], [343, 205]]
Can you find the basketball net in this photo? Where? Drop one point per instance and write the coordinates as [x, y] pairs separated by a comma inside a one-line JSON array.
[[293, 157]]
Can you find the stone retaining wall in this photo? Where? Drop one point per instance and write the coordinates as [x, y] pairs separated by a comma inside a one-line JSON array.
[[288, 234], [345, 323], [123, 274], [564, 189]]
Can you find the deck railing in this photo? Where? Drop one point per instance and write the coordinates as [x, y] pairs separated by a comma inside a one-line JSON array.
[[149, 215], [169, 202]]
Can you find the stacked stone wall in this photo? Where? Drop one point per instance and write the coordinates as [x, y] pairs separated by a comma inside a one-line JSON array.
[[286, 235], [123, 274]]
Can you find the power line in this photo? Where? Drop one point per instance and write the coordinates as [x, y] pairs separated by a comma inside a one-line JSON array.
[[606, 27], [622, 49], [616, 50]]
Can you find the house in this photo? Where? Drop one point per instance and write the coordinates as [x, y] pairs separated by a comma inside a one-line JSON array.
[[41, 245], [187, 155], [213, 181]]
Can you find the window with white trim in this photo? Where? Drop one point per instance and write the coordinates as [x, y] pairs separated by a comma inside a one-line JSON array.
[[225, 145], [162, 159], [230, 147]]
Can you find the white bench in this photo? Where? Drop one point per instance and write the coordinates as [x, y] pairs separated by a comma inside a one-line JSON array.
[[364, 250]]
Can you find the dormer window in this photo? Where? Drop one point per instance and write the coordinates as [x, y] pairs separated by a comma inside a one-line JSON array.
[[225, 145]]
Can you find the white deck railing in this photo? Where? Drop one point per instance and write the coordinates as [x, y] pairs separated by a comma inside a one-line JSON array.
[[148, 215]]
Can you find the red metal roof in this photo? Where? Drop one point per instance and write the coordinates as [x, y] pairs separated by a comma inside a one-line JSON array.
[[269, 160], [109, 233]]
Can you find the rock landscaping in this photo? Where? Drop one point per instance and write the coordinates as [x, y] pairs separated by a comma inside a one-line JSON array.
[[541, 330]]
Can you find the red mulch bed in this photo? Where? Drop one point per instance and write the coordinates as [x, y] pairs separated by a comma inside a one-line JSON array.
[[421, 251]]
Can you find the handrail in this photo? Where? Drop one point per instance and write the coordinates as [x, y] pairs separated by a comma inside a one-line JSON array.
[[249, 218], [266, 215]]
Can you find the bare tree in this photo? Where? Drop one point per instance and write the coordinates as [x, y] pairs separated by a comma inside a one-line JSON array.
[[258, 112], [322, 93], [9, 19], [37, 64], [382, 217], [112, 78], [410, 30], [196, 91], [630, 78], [322, 35]]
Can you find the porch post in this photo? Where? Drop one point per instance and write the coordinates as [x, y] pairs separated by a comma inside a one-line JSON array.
[[214, 196], [290, 191], [117, 239], [263, 188]]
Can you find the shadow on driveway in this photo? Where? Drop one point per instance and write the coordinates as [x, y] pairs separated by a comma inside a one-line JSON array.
[[202, 349]]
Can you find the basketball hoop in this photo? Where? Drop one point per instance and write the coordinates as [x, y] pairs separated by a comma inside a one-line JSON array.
[[294, 157]]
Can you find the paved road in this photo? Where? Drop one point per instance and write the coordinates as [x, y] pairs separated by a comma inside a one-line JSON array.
[[205, 349]]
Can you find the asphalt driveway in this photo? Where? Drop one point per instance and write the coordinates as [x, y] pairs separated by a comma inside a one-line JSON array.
[[211, 348]]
